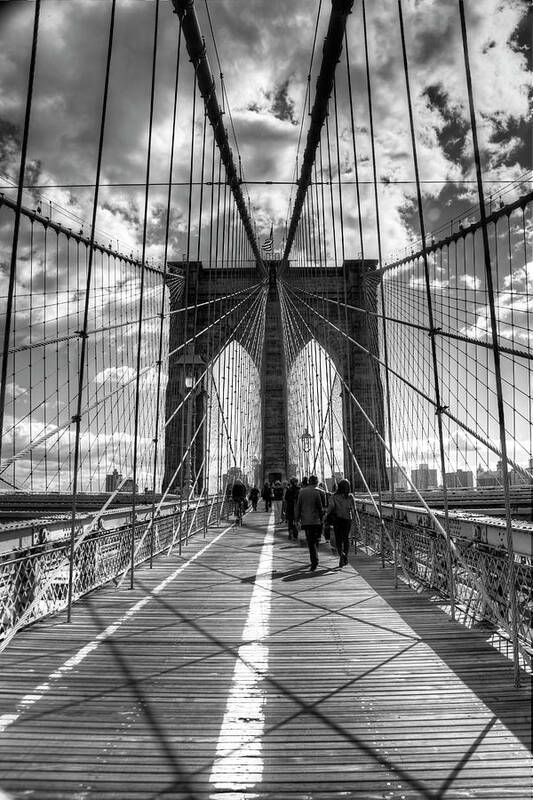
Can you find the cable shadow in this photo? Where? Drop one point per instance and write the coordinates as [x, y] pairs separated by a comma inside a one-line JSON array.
[[180, 775], [466, 758], [307, 574], [470, 656], [33, 715], [274, 574], [312, 603], [339, 576], [313, 708]]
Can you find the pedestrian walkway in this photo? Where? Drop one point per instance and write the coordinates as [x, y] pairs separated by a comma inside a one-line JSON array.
[[232, 671]]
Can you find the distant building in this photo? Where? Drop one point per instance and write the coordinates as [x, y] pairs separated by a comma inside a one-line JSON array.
[[129, 486], [396, 475], [520, 478], [424, 477], [112, 481], [233, 474], [462, 479], [487, 477]]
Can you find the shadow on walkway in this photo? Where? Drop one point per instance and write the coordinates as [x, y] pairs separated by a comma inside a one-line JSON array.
[[465, 651]]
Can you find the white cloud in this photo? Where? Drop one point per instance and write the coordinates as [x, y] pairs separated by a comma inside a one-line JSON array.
[[514, 305], [470, 281]]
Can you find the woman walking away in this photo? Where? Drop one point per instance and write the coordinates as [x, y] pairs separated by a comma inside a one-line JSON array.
[[278, 502], [266, 494], [341, 512]]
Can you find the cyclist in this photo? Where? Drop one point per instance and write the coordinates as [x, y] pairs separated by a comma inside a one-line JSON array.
[[254, 497], [238, 494]]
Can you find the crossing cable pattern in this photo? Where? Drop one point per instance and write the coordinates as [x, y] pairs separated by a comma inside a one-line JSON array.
[[389, 365], [424, 324], [37, 454], [108, 333]]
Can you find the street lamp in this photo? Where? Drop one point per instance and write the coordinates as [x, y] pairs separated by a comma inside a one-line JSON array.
[[191, 364], [306, 439]]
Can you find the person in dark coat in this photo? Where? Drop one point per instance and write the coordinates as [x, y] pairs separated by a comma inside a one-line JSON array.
[[254, 497], [341, 512], [266, 494], [291, 496], [310, 512]]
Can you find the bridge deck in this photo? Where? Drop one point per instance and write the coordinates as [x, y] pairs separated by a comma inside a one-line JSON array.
[[246, 676]]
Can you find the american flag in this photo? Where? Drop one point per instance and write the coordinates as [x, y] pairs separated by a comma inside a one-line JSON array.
[[268, 244]]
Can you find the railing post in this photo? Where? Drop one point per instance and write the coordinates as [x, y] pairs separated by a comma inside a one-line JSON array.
[[496, 356]]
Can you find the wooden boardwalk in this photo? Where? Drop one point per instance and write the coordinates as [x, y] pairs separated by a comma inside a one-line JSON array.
[[233, 672]]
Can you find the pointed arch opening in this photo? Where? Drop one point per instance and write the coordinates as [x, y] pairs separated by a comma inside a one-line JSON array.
[[234, 430], [315, 439]]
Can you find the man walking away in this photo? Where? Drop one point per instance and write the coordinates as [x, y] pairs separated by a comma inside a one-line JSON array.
[[266, 494], [238, 494], [310, 512], [254, 497], [291, 496]]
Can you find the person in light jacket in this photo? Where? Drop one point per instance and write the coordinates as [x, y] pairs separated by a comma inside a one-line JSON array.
[[277, 492], [310, 513]]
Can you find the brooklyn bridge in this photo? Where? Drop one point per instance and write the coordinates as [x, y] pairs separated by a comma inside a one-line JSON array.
[[259, 257]]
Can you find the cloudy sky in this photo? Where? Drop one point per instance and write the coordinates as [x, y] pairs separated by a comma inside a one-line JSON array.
[[265, 56], [265, 50]]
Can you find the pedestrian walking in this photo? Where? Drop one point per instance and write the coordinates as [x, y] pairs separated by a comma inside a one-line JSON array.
[[266, 494], [291, 496], [341, 512], [254, 497], [310, 513], [277, 492]]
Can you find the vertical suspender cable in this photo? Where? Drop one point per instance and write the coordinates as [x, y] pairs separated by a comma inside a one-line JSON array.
[[496, 355], [16, 227], [83, 334], [432, 333], [163, 290], [201, 201], [141, 297], [380, 261], [185, 427]]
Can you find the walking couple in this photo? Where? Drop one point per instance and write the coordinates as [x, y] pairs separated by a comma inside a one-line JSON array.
[[311, 509]]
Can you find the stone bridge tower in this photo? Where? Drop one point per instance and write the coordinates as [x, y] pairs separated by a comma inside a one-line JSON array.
[[357, 280]]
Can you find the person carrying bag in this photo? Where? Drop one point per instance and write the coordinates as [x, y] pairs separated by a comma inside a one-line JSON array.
[[341, 512]]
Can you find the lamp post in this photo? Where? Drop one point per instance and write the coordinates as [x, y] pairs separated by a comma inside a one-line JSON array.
[[306, 440], [187, 472], [191, 365], [256, 466]]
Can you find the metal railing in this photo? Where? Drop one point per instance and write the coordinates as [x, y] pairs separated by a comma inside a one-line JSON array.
[[479, 561], [34, 582]]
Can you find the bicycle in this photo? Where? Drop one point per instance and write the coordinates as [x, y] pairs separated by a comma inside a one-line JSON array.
[[238, 510]]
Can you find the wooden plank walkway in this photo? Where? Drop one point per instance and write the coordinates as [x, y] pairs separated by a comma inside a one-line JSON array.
[[234, 672]]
